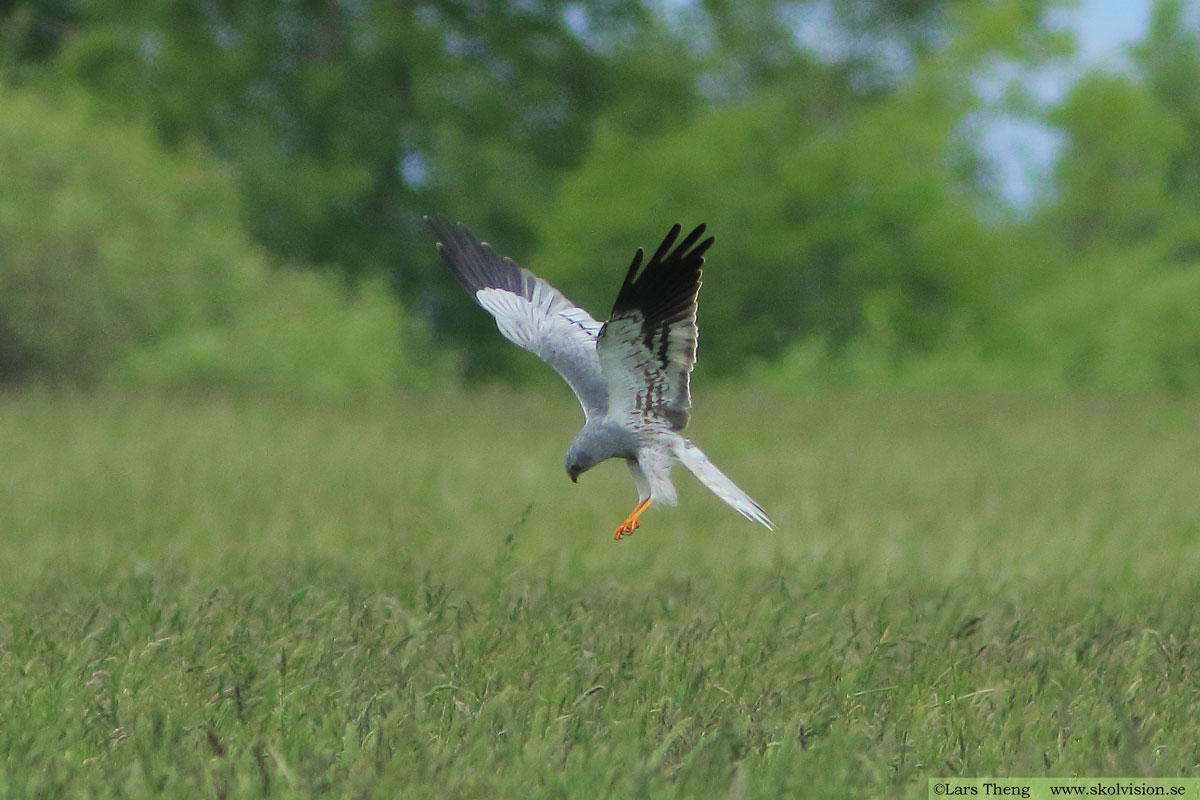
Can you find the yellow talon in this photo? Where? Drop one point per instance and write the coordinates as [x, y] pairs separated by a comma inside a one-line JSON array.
[[631, 522]]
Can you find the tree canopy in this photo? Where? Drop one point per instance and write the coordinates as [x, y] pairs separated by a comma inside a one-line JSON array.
[[832, 145]]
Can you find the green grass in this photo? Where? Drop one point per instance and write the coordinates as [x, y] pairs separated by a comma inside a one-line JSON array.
[[244, 598]]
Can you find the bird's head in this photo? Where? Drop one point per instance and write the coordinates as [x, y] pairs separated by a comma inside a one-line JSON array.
[[579, 461]]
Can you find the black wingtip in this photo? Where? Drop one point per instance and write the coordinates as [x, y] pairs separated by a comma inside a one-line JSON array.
[[473, 263], [668, 283], [633, 268], [443, 227], [667, 242]]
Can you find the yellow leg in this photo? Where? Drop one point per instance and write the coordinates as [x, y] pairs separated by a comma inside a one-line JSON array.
[[631, 522]]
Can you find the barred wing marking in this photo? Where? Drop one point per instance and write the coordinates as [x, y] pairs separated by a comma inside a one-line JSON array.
[[648, 346], [529, 312], [707, 473]]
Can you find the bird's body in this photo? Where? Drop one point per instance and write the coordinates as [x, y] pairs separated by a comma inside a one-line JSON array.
[[631, 374]]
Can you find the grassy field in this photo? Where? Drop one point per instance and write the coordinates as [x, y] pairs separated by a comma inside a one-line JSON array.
[[245, 598]]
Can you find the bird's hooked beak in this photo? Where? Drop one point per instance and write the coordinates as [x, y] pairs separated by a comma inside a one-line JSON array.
[[574, 477]]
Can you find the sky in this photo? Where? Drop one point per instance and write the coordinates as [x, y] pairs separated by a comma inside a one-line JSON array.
[[1024, 151], [1104, 27]]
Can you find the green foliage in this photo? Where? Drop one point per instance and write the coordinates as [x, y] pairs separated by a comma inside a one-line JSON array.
[[346, 122], [300, 335], [226, 597], [847, 218], [832, 147], [105, 240], [830, 222], [1109, 300], [1170, 61], [1128, 324], [31, 32], [1113, 176]]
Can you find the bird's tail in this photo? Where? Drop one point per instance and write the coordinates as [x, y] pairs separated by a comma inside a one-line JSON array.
[[694, 459]]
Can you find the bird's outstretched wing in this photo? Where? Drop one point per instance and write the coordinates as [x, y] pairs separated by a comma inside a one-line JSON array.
[[529, 312], [648, 346]]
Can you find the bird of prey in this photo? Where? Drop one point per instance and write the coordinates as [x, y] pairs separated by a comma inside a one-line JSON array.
[[631, 374]]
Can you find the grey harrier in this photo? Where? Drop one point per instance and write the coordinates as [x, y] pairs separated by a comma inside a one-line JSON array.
[[631, 374]]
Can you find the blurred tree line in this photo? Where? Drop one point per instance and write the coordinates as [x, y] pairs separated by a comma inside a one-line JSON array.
[[191, 185]]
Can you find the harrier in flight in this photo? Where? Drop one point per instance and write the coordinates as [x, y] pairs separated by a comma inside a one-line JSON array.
[[631, 374]]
